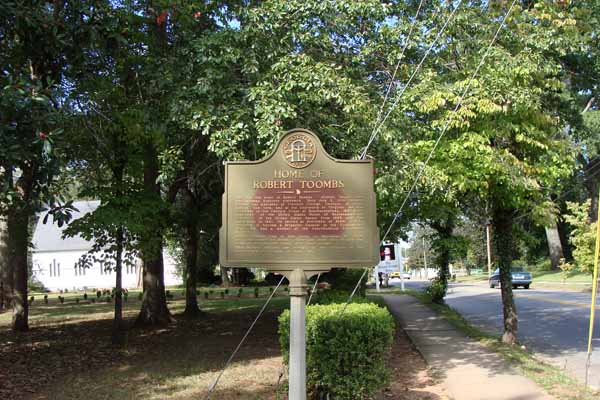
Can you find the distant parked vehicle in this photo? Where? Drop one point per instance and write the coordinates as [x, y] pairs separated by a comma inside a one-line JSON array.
[[398, 274], [520, 277]]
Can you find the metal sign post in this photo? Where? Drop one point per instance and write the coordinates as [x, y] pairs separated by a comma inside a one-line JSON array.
[[400, 265], [297, 375], [594, 294], [299, 212]]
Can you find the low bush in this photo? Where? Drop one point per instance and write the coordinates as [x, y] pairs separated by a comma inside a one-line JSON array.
[[332, 296], [345, 352], [437, 291], [346, 280], [541, 265]]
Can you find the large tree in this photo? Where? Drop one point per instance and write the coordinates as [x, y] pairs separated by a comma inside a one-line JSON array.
[[506, 145], [38, 42]]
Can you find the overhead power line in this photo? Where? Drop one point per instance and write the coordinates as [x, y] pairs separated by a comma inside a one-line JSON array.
[[378, 126], [391, 84], [448, 120], [262, 310]]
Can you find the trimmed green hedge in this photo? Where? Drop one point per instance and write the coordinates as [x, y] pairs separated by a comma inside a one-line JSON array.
[[333, 296], [345, 352]]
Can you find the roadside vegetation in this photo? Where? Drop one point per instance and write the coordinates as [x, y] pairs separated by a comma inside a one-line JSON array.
[[554, 380]]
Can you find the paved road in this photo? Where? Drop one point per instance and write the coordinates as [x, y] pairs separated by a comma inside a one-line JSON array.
[[554, 324]]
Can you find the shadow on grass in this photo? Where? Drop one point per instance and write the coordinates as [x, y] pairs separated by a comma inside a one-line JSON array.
[[70, 357]]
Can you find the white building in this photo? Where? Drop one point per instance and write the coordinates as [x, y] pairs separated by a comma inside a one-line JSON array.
[[55, 259]]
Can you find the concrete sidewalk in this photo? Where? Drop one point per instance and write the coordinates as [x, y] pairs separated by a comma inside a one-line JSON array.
[[467, 369]]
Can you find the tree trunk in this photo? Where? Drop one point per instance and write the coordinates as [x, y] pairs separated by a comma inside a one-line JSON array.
[[18, 240], [592, 184], [191, 259], [154, 302], [444, 231], [503, 240], [554, 246], [5, 282], [118, 331]]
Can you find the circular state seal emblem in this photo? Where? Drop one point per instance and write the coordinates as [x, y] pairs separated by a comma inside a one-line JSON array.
[[299, 150]]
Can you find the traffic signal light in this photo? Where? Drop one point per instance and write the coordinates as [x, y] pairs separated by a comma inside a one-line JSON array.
[[387, 253]]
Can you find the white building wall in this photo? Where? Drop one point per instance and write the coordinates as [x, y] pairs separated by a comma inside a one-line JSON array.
[[56, 271], [171, 277]]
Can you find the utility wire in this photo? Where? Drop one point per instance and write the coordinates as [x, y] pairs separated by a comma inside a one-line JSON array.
[[355, 289], [448, 120], [216, 382], [417, 69], [313, 289], [391, 84]]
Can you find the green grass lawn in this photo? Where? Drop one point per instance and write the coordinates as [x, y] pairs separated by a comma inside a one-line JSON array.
[[558, 276], [70, 311], [544, 279], [67, 353]]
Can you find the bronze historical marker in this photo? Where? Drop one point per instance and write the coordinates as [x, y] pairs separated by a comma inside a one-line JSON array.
[[299, 208]]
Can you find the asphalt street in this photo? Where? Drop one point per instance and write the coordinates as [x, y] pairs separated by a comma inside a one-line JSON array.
[[554, 324]]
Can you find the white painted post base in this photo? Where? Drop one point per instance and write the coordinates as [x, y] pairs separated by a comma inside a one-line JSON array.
[[297, 374]]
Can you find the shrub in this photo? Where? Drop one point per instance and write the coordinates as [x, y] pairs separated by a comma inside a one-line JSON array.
[[98, 294], [539, 265], [45, 299], [240, 291], [34, 284], [256, 292], [226, 291], [222, 295], [273, 279], [85, 296], [583, 235], [345, 352], [566, 268], [332, 296], [437, 291], [346, 280], [206, 295]]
